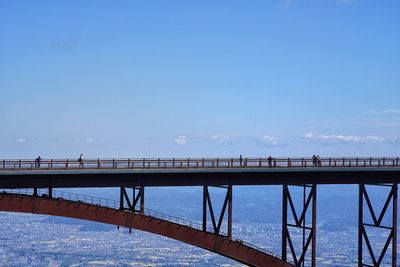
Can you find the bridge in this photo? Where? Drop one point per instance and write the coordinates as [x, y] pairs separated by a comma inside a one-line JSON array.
[[32, 186]]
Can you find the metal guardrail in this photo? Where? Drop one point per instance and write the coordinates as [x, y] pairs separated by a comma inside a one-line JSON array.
[[57, 194], [114, 204], [179, 163]]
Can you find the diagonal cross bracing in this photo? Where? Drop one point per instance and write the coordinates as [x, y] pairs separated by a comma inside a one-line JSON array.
[[300, 222], [377, 223], [208, 208]]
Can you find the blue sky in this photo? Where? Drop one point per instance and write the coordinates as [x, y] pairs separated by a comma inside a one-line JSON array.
[[199, 78]]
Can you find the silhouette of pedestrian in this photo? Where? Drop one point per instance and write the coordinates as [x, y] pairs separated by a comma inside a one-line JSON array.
[[80, 160], [318, 160], [314, 160], [37, 161], [240, 160], [270, 161]]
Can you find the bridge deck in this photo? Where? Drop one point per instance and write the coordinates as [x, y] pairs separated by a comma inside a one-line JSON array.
[[196, 172]]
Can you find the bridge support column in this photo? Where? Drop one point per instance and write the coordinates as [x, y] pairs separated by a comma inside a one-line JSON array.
[[375, 222], [132, 203], [208, 207], [308, 230]]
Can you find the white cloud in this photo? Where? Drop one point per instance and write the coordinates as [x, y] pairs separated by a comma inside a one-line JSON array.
[[87, 139], [181, 140], [269, 140], [391, 111], [396, 140], [344, 138], [90, 140], [308, 135], [388, 111], [21, 140], [223, 140]]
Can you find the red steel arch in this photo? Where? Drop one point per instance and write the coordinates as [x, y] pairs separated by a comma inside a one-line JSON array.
[[219, 244]]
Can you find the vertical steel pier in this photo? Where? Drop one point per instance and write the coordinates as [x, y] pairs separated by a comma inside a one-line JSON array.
[[131, 204], [208, 207], [309, 195], [376, 224]]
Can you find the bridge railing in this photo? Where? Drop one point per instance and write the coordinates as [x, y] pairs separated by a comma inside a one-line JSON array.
[[177, 163], [104, 202], [110, 203]]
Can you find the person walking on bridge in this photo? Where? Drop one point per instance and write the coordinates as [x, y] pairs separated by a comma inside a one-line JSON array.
[[80, 160], [270, 161], [318, 160], [37, 161]]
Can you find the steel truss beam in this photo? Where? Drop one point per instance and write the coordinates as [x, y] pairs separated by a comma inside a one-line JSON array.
[[132, 203], [207, 205], [377, 224], [309, 196]]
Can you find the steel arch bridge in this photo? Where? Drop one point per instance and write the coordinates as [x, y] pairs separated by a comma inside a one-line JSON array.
[[133, 175], [231, 248]]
